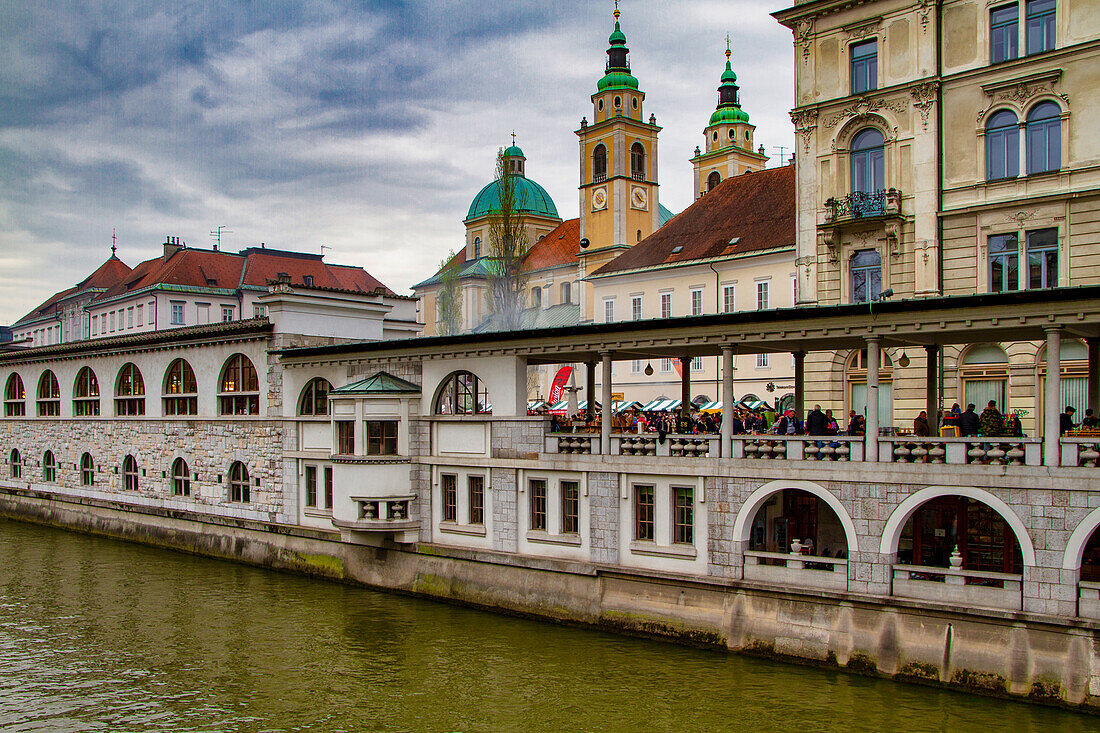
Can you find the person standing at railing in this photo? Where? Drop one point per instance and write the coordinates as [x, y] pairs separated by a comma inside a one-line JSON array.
[[1090, 422], [991, 422], [789, 424], [857, 425], [920, 425], [968, 422], [1065, 420]]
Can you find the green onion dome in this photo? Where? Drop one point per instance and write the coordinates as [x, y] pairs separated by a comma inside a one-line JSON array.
[[531, 198]]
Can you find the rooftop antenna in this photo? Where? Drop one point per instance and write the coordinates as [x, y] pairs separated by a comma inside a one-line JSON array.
[[114, 241], [782, 153], [216, 235], [323, 248]]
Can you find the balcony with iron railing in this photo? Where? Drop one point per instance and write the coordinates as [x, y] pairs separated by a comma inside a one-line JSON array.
[[860, 205]]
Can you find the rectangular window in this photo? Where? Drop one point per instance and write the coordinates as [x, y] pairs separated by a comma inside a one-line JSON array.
[[794, 291], [1040, 25], [570, 517], [538, 503], [112, 316], [1042, 259], [177, 314], [1004, 33], [345, 437], [696, 302], [202, 313], [311, 486], [258, 311], [608, 310], [761, 361], [536, 297], [129, 317], [697, 364], [566, 293], [328, 486], [95, 325], [381, 437], [643, 513], [1003, 263], [683, 515], [449, 484], [666, 365], [636, 366], [140, 317], [762, 295], [636, 307], [476, 485], [864, 66], [729, 298], [666, 305], [227, 313]]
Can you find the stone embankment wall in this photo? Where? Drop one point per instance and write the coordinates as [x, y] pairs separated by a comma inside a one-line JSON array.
[[1003, 653]]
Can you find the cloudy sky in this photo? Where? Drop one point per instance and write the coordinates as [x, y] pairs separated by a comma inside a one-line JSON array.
[[363, 126]]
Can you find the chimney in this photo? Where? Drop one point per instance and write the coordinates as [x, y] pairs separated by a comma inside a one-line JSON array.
[[171, 246]]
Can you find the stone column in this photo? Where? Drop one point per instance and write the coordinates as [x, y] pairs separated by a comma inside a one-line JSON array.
[[607, 409], [590, 389], [685, 385], [871, 439], [727, 400], [1094, 374], [800, 384], [1051, 400], [932, 386]]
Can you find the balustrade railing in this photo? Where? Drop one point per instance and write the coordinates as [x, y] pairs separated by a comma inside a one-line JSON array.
[[798, 447], [958, 586], [1082, 452], [796, 569]]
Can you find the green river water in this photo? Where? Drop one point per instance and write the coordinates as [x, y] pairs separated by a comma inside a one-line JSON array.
[[100, 635]]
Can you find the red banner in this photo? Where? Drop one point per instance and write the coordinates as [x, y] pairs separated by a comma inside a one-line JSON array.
[[557, 389]]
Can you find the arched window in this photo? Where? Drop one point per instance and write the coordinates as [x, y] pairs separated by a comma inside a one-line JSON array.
[[599, 164], [477, 247], [868, 161], [948, 523], [462, 393], [15, 397], [16, 464], [315, 397], [1044, 138], [1002, 146], [180, 389], [130, 391], [239, 388], [637, 162], [129, 474], [49, 467], [984, 373], [87, 470], [238, 483], [86, 394], [49, 395], [181, 478], [866, 275], [1074, 384], [713, 180], [857, 386]]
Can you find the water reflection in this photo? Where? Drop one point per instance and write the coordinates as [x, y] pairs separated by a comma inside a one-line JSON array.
[[103, 635]]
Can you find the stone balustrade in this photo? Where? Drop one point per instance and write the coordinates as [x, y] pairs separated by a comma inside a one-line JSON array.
[[970, 588], [961, 451], [1088, 599], [1082, 452], [796, 569]]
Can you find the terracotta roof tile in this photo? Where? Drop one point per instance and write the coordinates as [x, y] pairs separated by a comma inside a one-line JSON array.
[[757, 209], [110, 273], [557, 248]]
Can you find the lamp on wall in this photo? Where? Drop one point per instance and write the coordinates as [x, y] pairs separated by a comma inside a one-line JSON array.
[[648, 369], [904, 360]]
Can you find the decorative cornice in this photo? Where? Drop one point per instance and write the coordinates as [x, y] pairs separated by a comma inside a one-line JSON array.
[[862, 29], [1022, 89], [863, 107]]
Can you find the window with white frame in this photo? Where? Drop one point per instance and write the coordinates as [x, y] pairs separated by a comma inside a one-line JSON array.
[[762, 295], [130, 317], [112, 317], [697, 301], [666, 365], [729, 298], [697, 364], [666, 305], [636, 307], [95, 325], [259, 311], [609, 310], [140, 318], [761, 361], [177, 313], [636, 366], [227, 313]]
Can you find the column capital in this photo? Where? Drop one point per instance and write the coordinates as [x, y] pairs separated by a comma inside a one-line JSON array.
[[873, 338], [1053, 328]]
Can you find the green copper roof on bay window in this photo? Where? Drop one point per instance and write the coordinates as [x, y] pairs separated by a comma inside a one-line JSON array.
[[379, 383], [531, 198]]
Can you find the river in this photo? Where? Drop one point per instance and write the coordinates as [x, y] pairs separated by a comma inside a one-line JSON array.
[[102, 635]]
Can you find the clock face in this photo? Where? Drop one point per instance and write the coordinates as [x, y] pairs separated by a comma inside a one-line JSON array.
[[599, 199], [639, 198]]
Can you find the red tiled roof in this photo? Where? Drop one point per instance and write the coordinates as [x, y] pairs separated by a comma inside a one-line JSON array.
[[757, 209], [557, 248], [110, 273], [253, 267]]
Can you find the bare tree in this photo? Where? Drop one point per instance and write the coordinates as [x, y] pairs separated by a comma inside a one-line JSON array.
[[448, 302], [507, 249]]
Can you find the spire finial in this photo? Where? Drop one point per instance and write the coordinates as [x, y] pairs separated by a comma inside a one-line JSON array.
[[617, 11], [114, 241], [513, 138], [728, 52]]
